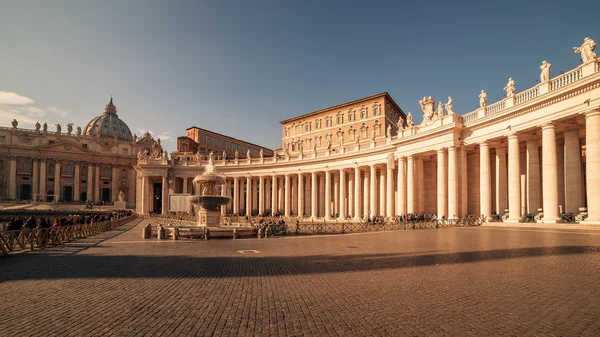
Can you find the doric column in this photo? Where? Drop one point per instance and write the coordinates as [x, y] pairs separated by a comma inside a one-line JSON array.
[[261, 195], [501, 181], [313, 195], [321, 184], [76, 181], [57, 182], [549, 175], [420, 190], [389, 198], [43, 178], [143, 207], [115, 184], [382, 194], [327, 194], [366, 195], [514, 179], [165, 193], [350, 195], [248, 196], [224, 189], [533, 177], [90, 183], [286, 193], [357, 194], [293, 195], [236, 195], [401, 207], [442, 197], [410, 185], [464, 191], [336, 195], [267, 200], [185, 185], [342, 197], [254, 194], [452, 184], [36, 177], [485, 190], [373, 191], [274, 196], [300, 195], [592, 163], [12, 180], [573, 173]]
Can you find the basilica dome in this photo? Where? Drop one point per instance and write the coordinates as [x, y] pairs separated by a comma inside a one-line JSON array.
[[108, 124]]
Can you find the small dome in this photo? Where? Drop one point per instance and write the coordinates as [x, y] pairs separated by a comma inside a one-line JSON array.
[[108, 124]]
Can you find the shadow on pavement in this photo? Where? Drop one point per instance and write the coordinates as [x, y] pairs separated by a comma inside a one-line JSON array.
[[121, 266]]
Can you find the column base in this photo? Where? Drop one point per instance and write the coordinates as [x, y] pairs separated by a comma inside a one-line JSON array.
[[550, 221], [513, 220]]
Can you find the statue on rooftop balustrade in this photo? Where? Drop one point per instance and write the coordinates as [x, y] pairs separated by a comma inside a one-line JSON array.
[[69, 128], [248, 154], [440, 110], [37, 126], [482, 99], [510, 88], [236, 154], [449, 106], [545, 75], [587, 51], [409, 121], [428, 107], [388, 132], [45, 126], [78, 131], [58, 128], [15, 123]]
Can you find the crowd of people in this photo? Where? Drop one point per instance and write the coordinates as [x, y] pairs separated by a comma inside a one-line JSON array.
[[32, 222]]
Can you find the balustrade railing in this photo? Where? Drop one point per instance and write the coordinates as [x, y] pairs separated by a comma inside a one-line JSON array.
[[527, 95], [495, 108], [14, 240], [565, 79]]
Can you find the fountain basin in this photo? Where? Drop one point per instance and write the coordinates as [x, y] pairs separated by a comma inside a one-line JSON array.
[[210, 202]]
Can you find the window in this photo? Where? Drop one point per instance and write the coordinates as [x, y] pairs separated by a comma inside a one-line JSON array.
[[68, 169], [85, 146], [2, 139], [351, 133], [340, 118], [106, 172], [376, 109], [27, 166], [307, 126], [84, 171], [351, 116], [377, 128], [327, 121], [318, 124], [363, 113], [339, 135], [50, 168], [287, 132], [363, 131], [318, 141]]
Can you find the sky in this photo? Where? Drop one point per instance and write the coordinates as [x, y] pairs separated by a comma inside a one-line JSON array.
[[241, 67]]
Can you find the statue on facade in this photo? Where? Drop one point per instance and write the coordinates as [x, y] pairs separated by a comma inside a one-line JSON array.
[[342, 141], [140, 155], [236, 154], [449, 106], [198, 155], [224, 155], [121, 196], [69, 128], [545, 75], [15, 123], [261, 153], [440, 110], [427, 106], [45, 127], [211, 155], [315, 146], [78, 131], [328, 141], [482, 99], [58, 128], [510, 88], [248, 154], [409, 121], [37, 126], [165, 155], [388, 133], [357, 139], [587, 51]]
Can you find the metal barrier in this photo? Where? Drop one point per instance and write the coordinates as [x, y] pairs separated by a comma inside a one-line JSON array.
[[25, 238]]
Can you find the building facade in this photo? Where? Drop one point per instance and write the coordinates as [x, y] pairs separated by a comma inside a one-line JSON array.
[[90, 164], [534, 152], [202, 142]]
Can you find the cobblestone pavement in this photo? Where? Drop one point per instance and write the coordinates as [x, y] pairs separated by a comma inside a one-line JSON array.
[[455, 281]]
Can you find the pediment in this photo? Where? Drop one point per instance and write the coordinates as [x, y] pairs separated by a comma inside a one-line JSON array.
[[66, 146]]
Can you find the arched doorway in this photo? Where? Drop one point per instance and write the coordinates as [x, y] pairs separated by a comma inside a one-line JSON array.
[[67, 193], [25, 192]]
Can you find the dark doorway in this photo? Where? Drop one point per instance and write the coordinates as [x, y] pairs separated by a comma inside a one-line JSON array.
[[157, 198], [25, 192], [50, 198], [67, 193], [83, 196], [105, 195]]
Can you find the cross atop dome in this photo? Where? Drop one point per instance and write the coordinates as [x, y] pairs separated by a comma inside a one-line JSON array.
[[110, 107]]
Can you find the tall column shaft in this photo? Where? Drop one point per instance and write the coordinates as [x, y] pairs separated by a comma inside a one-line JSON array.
[[313, 195], [573, 173], [592, 163], [452, 184], [410, 185], [36, 177], [224, 189], [57, 191], [286, 192], [357, 194], [342, 197], [366, 196], [389, 198], [261, 195], [336, 195], [501, 181], [115, 184], [144, 193], [373, 191], [382, 194], [76, 181], [464, 190], [300, 195], [401, 207], [533, 177], [514, 179], [89, 182], [165, 191], [550, 174], [274, 196], [442, 197], [350, 195], [12, 180], [327, 194], [43, 178], [485, 190], [420, 192], [236, 195], [248, 196]]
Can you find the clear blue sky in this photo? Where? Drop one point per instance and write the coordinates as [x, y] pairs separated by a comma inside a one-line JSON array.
[[240, 67]]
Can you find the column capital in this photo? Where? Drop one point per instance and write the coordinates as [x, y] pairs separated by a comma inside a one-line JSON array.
[[549, 125], [484, 144], [513, 135], [592, 112], [451, 148], [440, 150]]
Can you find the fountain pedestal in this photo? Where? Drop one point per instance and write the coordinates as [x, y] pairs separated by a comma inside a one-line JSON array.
[[209, 218]]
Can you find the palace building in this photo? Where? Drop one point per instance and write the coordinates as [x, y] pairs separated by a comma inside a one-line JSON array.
[[92, 164], [534, 153]]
